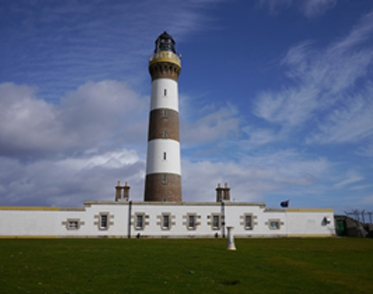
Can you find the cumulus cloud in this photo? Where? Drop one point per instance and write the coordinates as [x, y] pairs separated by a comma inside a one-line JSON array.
[[70, 181], [70, 152], [62, 154], [84, 137], [95, 113]]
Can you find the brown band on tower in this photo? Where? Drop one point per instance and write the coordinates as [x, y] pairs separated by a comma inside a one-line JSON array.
[[164, 70], [163, 187], [163, 124]]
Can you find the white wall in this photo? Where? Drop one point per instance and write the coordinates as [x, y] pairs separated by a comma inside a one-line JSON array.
[[50, 222], [312, 222], [155, 161], [159, 100]]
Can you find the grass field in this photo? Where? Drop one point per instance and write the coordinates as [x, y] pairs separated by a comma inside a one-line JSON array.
[[69, 266]]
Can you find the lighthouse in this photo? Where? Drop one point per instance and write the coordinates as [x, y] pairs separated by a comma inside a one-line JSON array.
[[163, 169]]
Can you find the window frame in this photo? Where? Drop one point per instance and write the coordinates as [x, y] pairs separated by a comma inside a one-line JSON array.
[[139, 221], [192, 221], [246, 217], [274, 221], [216, 221], [166, 221], [73, 225], [104, 221], [68, 224]]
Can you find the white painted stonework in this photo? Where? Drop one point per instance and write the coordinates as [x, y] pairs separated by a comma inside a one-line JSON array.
[[121, 220], [164, 99], [158, 149]]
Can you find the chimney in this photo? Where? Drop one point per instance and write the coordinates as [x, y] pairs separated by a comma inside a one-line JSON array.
[[219, 193], [126, 192], [227, 196], [122, 196]]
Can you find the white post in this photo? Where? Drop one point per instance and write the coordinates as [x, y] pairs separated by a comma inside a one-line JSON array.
[[230, 240]]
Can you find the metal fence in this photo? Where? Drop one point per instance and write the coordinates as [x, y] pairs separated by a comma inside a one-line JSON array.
[[363, 216]]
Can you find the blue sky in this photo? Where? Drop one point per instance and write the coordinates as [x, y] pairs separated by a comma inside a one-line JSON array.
[[276, 98]]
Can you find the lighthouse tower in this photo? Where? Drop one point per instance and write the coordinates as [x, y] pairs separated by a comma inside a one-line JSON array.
[[163, 170]]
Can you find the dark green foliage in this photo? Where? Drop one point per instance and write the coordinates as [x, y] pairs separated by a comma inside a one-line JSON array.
[[77, 266]]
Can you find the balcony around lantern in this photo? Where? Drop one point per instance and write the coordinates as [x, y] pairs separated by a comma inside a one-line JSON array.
[[165, 56]]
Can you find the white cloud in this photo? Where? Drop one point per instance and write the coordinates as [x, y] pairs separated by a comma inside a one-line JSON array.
[[368, 200], [67, 153], [362, 187], [95, 113], [352, 177], [70, 152], [313, 8], [275, 5], [320, 82], [257, 137], [210, 125], [309, 8], [351, 122], [366, 151], [253, 176], [69, 182], [359, 34], [78, 41], [289, 107]]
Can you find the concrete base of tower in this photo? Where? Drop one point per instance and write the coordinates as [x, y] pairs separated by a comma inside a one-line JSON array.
[[163, 187]]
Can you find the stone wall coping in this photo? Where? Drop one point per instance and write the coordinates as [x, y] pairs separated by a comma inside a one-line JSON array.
[[72, 209], [161, 203]]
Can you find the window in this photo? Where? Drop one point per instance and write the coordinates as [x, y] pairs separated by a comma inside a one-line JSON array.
[[164, 134], [164, 179], [274, 225], [166, 221], [248, 222], [164, 156], [139, 222], [103, 221], [191, 222], [165, 92], [73, 225], [216, 222], [164, 113]]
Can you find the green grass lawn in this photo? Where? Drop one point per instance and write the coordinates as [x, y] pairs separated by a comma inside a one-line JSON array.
[[337, 265]]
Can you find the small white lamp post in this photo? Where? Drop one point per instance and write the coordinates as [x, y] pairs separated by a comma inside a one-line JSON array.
[[230, 240]]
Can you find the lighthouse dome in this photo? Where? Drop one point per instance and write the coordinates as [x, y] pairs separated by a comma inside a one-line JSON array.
[[165, 43]]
